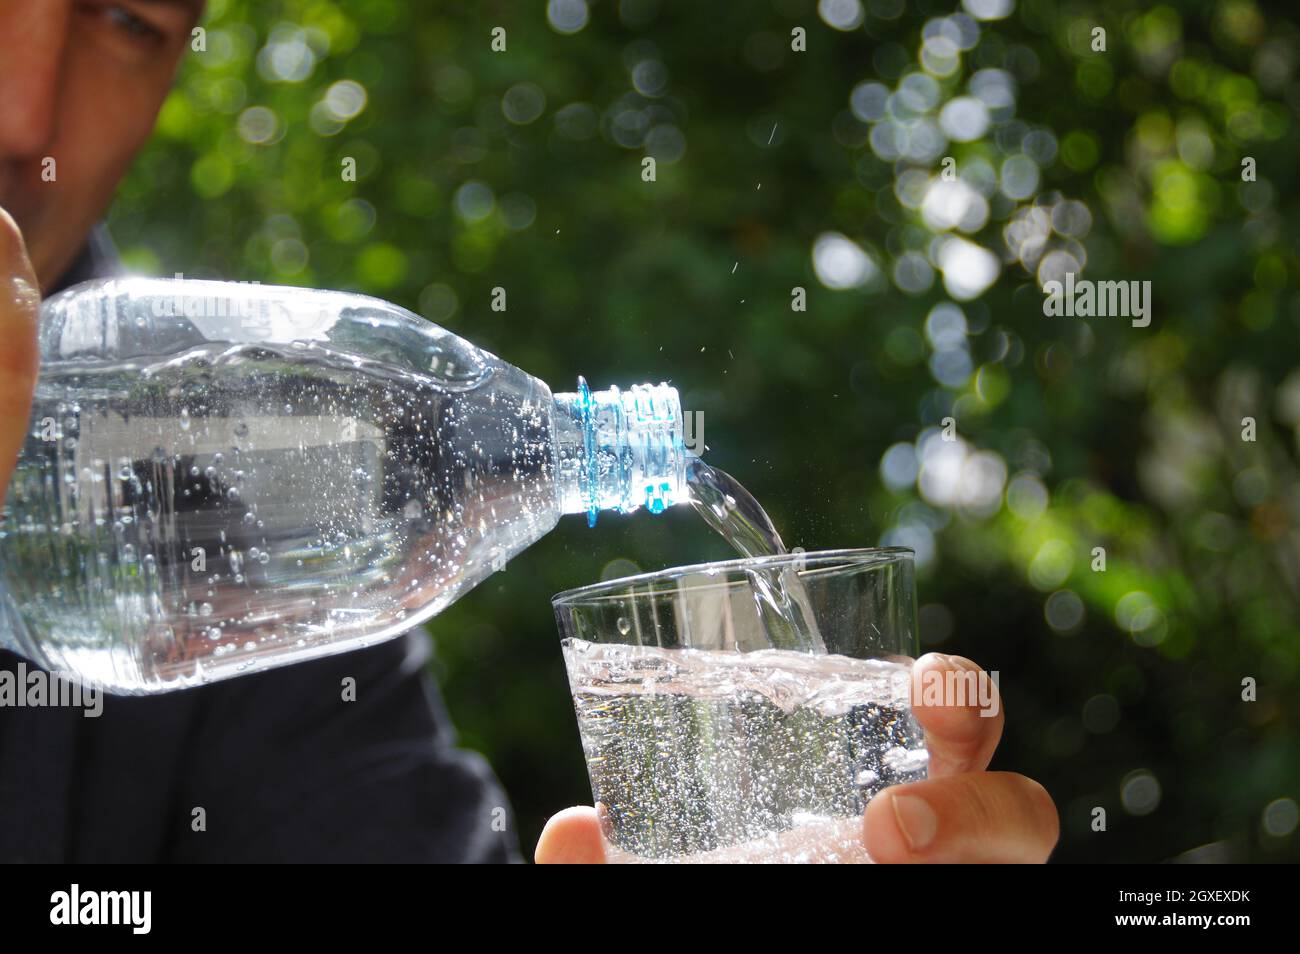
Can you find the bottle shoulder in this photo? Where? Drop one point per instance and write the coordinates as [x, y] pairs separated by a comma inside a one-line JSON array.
[[121, 319]]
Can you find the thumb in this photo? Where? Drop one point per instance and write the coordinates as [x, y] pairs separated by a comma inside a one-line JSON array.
[[571, 837], [20, 301]]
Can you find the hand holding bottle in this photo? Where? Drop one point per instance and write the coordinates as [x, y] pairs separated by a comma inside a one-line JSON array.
[[20, 300]]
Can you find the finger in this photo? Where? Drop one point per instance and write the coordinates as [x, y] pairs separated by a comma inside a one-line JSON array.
[[960, 709], [980, 817], [20, 300], [571, 837]]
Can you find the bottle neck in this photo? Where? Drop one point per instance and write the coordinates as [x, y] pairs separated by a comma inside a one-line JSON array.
[[619, 450]]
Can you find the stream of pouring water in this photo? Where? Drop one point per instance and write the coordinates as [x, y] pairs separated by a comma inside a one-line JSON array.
[[733, 512]]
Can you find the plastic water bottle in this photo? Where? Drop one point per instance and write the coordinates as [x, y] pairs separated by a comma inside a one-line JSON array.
[[221, 478]]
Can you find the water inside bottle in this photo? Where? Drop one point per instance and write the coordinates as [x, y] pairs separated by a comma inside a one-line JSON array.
[[232, 506], [238, 505]]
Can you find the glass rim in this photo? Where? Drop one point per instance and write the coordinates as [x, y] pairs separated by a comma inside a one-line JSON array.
[[861, 555]]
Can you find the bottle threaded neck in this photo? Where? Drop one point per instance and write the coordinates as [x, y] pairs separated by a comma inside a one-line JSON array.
[[620, 450]]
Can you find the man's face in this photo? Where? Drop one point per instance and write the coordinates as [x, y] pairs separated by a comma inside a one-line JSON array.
[[81, 82]]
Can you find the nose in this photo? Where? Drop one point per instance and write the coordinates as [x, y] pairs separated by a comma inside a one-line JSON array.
[[33, 34]]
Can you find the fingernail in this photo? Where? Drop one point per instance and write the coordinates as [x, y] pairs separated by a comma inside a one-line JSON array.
[[916, 820]]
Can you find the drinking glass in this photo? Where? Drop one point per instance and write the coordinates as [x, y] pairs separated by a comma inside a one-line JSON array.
[[713, 734]]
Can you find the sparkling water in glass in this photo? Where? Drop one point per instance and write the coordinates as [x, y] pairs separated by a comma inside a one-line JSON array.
[[706, 742]]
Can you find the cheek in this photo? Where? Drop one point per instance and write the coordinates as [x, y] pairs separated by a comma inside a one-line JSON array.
[[105, 116], [101, 134], [107, 113], [103, 123]]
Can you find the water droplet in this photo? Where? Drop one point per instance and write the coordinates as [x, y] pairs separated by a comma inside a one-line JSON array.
[[624, 625], [185, 419]]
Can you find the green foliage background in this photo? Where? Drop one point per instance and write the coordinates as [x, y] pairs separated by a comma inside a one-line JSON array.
[[1135, 434]]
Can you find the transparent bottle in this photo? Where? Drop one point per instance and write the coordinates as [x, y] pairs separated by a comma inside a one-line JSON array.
[[224, 477]]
